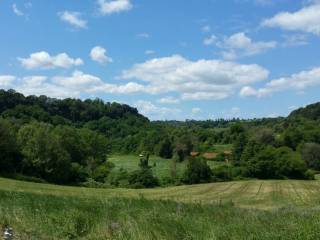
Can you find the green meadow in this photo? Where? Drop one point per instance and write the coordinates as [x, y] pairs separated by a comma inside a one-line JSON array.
[[232, 210]]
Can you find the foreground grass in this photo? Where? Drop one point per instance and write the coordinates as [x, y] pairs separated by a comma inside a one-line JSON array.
[[43, 216], [245, 194]]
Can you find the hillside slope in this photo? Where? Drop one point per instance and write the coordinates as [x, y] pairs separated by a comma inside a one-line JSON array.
[[249, 194]]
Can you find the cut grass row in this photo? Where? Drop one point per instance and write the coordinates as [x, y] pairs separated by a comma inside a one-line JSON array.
[[43, 212], [249, 194]]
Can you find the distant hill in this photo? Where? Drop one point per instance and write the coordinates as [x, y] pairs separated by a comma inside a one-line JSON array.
[[311, 111], [56, 111]]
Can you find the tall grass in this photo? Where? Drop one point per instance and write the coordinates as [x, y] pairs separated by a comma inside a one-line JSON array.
[[42, 216]]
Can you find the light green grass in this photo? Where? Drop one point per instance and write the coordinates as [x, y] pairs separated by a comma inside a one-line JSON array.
[[260, 194], [161, 167], [200, 212]]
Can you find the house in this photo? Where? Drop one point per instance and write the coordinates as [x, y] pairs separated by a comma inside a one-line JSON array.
[[210, 155], [227, 155], [194, 154]]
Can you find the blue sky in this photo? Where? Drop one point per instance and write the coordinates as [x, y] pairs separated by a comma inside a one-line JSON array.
[[172, 59]]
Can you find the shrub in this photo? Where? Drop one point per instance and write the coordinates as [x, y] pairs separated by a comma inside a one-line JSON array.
[[143, 178], [197, 171]]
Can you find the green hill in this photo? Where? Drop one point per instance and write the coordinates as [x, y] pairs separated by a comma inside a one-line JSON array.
[[311, 112]]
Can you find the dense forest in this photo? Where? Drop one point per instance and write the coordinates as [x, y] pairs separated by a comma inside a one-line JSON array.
[[68, 142]]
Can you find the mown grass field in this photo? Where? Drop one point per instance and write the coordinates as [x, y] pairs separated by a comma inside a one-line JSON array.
[[233, 210], [161, 167]]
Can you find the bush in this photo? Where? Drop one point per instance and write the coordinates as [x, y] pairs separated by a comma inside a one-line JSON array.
[[310, 153], [197, 172], [277, 163], [228, 173], [143, 178]]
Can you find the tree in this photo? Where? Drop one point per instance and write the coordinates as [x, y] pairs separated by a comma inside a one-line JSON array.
[[238, 148], [10, 156], [310, 153], [165, 149], [277, 163], [197, 171], [143, 178], [183, 147], [44, 155]]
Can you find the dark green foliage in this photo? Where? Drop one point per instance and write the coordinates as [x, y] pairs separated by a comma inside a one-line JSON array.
[[165, 148], [144, 160], [281, 163], [183, 147], [143, 178], [67, 141], [61, 154], [197, 171], [10, 157], [238, 148], [310, 153], [311, 111], [227, 173]]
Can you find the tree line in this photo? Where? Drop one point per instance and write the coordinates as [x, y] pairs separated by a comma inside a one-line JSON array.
[[68, 142]]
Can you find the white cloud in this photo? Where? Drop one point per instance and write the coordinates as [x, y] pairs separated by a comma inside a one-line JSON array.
[[149, 52], [43, 60], [78, 80], [194, 80], [295, 40], [210, 40], [40, 85], [297, 82], [234, 112], [98, 54], [16, 10], [67, 86], [156, 112], [264, 2], [240, 45], [143, 35], [195, 110], [169, 100], [206, 29], [73, 18], [107, 7], [6, 80], [306, 19]]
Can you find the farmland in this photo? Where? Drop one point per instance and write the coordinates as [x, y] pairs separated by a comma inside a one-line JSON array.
[[161, 167], [234, 210]]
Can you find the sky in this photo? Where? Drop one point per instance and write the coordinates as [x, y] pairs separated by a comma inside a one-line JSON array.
[[171, 59]]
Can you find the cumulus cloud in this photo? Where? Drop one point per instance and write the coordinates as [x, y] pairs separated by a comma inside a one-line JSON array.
[[211, 40], [195, 110], [306, 19], [295, 40], [6, 80], [73, 18], [67, 86], [98, 54], [43, 60], [149, 52], [16, 10], [240, 45], [108, 7], [297, 82], [143, 35], [206, 29], [169, 100], [156, 112], [41, 85], [194, 80]]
